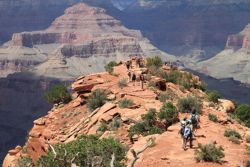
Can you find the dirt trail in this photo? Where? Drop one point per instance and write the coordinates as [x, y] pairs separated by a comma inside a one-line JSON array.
[[168, 150]]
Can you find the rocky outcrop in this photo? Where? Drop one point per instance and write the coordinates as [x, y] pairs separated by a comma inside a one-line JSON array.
[[63, 124]]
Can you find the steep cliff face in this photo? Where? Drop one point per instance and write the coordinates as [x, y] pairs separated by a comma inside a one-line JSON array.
[[233, 61], [181, 27], [70, 46]]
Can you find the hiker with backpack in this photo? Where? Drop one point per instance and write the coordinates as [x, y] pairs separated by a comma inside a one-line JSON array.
[[188, 135], [182, 127], [142, 79], [194, 118]]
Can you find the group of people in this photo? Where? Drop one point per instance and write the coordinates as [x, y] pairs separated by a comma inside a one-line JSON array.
[[187, 128], [132, 76]]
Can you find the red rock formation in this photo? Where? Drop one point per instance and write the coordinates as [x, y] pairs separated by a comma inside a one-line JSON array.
[[63, 124]]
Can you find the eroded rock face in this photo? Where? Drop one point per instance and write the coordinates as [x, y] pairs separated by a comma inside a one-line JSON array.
[[79, 42]]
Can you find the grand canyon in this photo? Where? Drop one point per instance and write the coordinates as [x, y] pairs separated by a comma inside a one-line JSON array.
[[44, 43]]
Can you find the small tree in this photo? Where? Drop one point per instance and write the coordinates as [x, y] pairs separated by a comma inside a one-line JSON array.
[[150, 118], [97, 99], [110, 66], [84, 151], [154, 61], [168, 113], [58, 94], [209, 153], [189, 104], [213, 96]]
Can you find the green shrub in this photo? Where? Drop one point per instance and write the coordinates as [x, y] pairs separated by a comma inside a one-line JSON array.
[[138, 128], [248, 150], [125, 103], [123, 83], [150, 118], [248, 138], [163, 97], [242, 112], [103, 127], [189, 104], [153, 130], [25, 162], [213, 96], [209, 153], [173, 76], [212, 117], [168, 113], [97, 99], [58, 94], [147, 126], [152, 84], [234, 139], [154, 61], [232, 132], [110, 66], [89, 149], [115, 124]]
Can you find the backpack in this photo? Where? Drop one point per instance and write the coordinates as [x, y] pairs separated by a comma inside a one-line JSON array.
[[182, 129], [193, 119], [187, 131]]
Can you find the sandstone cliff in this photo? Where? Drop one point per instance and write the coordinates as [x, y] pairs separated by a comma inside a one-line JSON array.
[[78, 42], [63, 124], [233, 61]]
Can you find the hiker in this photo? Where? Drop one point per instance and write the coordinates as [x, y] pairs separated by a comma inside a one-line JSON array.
[[194, 118], [129, 76], [128, 64], [182, 127], [133, 78], [142, 79], [188, 135], [138, 62]]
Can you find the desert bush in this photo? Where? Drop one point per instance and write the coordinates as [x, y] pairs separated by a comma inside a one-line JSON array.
[[25, 162], [234, 140], [97, 99], [212, 117], [167, 95], [58, 94], [213, 96], [110, 66], [232, 132], [89, 150], [102, 127], [122, 83], [189, 104], [248, 150], [242, 112], [152, 84], [248, 138], [209, 153], [147, 126], [154, 62], [115, 124], [150, 118], [125, 103], [168, 113]]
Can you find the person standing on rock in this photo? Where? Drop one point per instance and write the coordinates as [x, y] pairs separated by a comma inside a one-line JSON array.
[[142, 79], [133, 78]]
